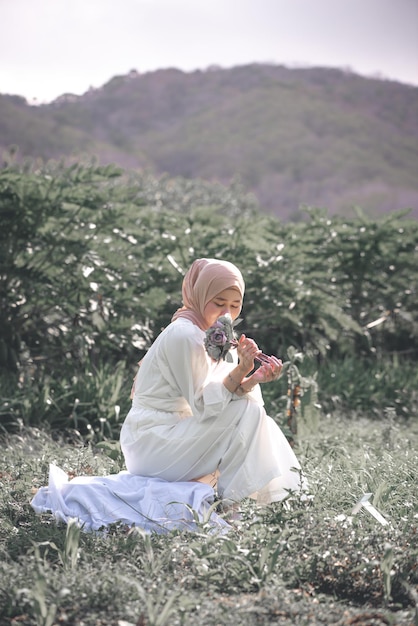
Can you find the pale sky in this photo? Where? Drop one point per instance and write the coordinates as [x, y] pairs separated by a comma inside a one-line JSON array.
[[51, 47]]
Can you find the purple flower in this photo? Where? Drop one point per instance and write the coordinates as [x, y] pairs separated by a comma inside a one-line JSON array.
[[220, 338]]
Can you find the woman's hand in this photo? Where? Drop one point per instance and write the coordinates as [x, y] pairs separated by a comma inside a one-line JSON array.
[[267, 372], [247, 351]]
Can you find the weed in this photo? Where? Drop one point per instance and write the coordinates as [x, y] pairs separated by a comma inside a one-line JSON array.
[[305, 562]]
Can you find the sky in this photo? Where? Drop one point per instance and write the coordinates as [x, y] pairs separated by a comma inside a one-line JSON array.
[[52, 47]]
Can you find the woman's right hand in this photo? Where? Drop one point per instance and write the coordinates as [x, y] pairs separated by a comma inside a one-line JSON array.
[[247, 351]]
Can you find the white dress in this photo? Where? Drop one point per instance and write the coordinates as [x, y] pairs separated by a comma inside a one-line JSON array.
[[154, 505], [184, 424]]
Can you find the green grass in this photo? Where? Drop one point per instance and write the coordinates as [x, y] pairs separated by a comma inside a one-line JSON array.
[[305, 563]]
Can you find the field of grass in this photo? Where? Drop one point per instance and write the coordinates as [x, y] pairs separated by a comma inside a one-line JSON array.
[[309, 562]]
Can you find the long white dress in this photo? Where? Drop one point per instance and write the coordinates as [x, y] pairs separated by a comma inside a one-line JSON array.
[[184, 424], [151, 504]]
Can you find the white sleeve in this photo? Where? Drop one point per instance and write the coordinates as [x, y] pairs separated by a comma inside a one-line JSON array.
[[195, 375]]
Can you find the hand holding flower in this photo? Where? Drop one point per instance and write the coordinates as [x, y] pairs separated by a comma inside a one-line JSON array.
[[220, 338], [267, 372], [247, 351]]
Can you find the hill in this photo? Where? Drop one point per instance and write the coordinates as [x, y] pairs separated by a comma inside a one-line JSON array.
[[313, 136]]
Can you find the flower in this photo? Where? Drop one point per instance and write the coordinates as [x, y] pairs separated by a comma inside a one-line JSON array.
[[220, 338]]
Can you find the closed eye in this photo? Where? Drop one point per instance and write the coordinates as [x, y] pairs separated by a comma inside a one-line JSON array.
[[233, 306]]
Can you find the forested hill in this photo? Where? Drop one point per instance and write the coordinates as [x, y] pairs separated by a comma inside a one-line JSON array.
[[316, 136]]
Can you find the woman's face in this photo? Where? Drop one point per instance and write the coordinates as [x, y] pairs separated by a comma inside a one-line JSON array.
[[227, 301]]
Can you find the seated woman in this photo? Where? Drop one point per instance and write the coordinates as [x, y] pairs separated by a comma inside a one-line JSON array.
[[195, 417], [195, 421]]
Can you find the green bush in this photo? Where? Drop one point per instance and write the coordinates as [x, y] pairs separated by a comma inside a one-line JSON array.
[[92, 403], [92, 261], [369, 387]]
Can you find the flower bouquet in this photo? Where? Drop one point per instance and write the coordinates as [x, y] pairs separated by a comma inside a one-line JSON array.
[[221, 337]]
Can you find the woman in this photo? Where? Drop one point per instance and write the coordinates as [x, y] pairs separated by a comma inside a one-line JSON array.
[[193, 420], [192, 416]]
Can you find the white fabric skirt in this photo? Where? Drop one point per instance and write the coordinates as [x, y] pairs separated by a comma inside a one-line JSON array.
[[95, 502], [244, 444]]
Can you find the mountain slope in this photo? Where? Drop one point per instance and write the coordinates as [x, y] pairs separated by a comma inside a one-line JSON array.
[[313, 136]]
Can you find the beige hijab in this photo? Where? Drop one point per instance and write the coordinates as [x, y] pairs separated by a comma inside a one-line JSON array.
[[203, 281]]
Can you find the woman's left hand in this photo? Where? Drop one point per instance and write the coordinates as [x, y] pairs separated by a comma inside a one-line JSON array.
[[268, 372]]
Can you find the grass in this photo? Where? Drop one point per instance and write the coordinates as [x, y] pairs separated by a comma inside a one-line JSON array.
[[305, 563]]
